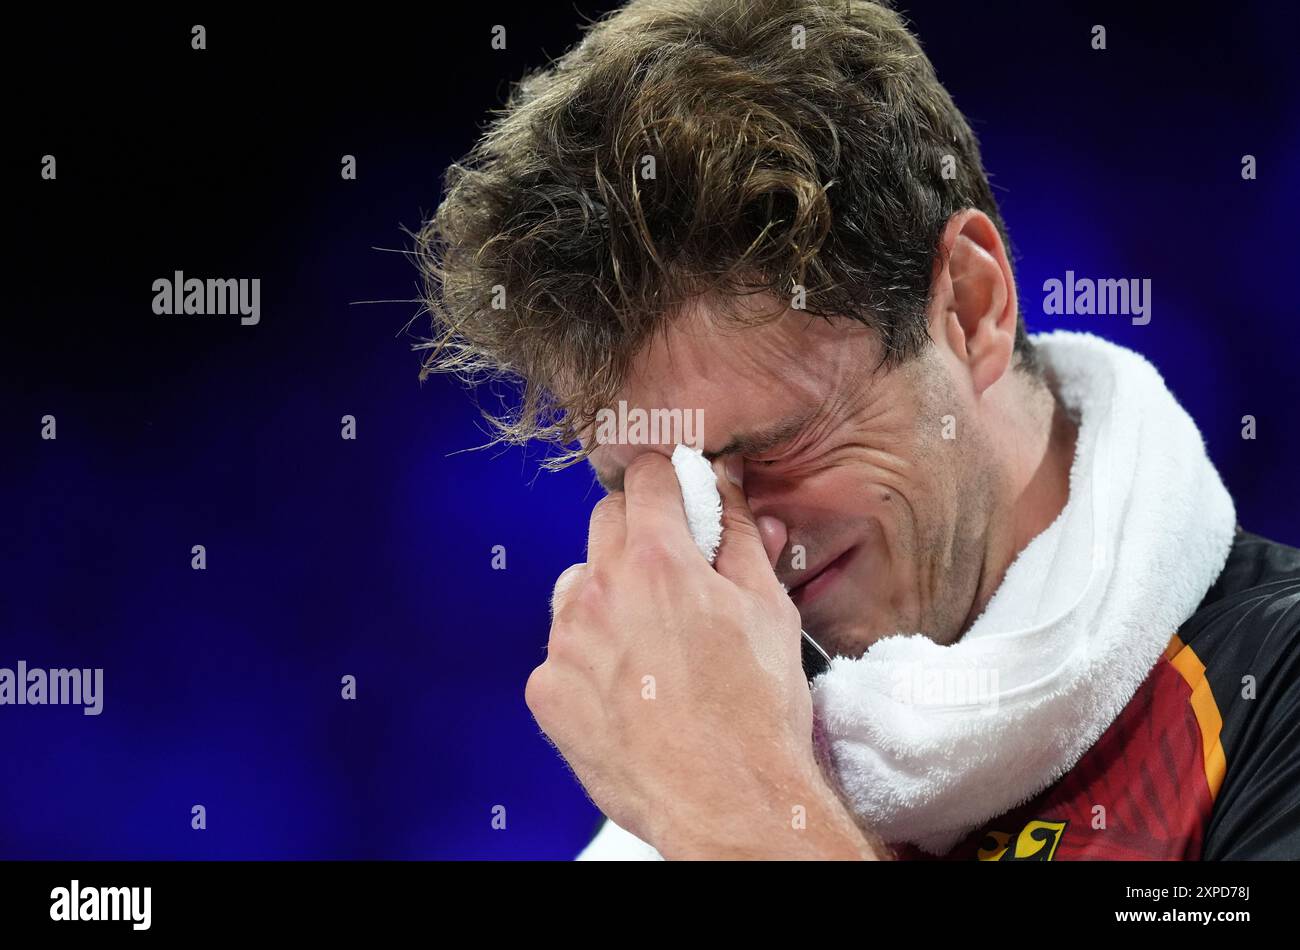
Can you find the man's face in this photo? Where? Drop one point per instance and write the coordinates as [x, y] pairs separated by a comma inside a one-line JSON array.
[[877, 522]]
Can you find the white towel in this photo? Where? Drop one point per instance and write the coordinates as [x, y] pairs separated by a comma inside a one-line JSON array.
[[1079, 620], [700, 497]]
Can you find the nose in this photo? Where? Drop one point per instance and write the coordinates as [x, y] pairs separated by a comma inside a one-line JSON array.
[[773, 532]]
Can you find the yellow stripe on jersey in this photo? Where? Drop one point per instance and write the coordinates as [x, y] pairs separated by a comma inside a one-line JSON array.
[[1192, 670]]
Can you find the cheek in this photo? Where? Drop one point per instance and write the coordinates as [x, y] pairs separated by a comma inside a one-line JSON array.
[[833, 504], [876, 500]]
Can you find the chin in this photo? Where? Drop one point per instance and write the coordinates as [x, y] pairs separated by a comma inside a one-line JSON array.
[[843, 625], [855, 642], [847, 635]]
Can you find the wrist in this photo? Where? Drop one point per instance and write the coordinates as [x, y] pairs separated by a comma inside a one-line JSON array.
[[802, 820]]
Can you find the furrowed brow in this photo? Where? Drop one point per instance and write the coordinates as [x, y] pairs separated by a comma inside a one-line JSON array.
[[763, 440]]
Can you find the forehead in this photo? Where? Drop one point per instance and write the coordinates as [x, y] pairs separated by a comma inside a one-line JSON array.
[[734, 381]]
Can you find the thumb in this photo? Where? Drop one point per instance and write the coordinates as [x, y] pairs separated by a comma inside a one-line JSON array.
[[742, 557]]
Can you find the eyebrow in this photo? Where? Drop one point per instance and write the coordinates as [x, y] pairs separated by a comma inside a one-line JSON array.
[[748, 443]]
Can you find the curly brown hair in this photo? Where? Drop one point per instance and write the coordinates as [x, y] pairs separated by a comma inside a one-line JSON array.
[[789, 143]]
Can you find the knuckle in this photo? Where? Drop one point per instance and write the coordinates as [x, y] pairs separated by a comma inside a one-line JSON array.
[[651, 553], [562, 594], [613, 505], [595, 587], [566, 641], [538, 689]]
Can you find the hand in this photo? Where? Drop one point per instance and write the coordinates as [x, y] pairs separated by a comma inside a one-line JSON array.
[[675, 692]]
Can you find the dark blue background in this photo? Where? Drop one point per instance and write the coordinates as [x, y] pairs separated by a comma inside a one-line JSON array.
[[372, 557]]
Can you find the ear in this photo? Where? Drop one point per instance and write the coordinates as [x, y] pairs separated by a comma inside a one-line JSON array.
[[975, 295]]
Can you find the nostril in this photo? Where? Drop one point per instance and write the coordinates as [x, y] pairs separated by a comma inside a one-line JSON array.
[[774, 534]]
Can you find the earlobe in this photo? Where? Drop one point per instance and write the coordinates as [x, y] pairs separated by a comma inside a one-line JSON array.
[[990, 358]]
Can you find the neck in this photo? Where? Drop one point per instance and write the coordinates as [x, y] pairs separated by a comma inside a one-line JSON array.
[[1039, 447]]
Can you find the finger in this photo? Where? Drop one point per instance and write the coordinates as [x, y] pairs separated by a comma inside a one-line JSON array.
[[655, 510], [608, 528], [565, 584], [742, 557]]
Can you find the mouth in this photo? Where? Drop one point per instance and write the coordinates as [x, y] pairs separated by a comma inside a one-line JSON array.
[[821, 579]]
